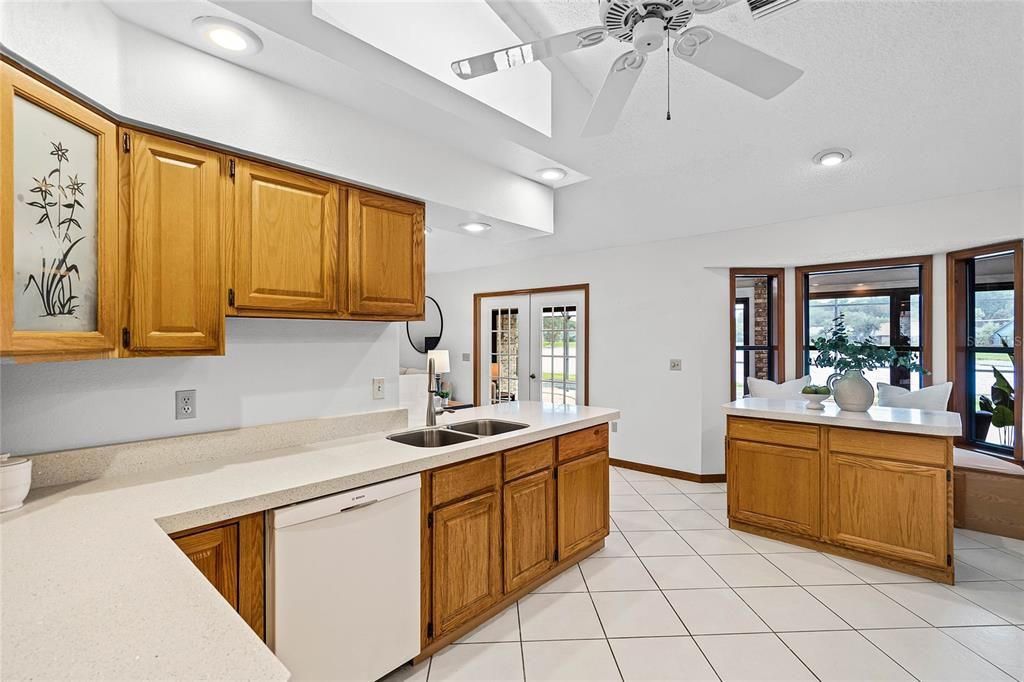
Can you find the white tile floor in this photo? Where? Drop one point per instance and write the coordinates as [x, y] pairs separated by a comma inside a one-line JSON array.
[[675, 595]]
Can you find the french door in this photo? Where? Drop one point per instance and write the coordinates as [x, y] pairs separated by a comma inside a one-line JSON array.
[[532, 347]]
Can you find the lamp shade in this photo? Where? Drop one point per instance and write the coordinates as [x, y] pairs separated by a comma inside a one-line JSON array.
[[495, 370], [441, 362]]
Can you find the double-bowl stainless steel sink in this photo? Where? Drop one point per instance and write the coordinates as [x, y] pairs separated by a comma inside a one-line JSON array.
[[450, 434]]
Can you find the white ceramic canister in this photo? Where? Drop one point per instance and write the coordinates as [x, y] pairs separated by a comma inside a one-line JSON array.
[[15, 481]]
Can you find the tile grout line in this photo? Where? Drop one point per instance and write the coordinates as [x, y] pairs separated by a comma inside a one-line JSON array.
[[519, 630], [977, 653], [600, 622]]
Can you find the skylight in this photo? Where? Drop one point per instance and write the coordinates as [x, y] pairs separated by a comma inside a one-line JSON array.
[[430, 35]]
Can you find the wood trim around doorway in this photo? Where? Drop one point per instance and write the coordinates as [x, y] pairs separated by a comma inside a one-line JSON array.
[[477, 298], [924, 262]]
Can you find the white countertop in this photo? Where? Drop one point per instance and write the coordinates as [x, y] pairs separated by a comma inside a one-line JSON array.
[[903, 420], [92, 587]]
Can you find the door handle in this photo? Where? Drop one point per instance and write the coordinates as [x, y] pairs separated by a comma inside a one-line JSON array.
[[533, 376]]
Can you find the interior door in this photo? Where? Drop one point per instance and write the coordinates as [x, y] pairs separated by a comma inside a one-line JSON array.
[[504, 360], [557, 346]]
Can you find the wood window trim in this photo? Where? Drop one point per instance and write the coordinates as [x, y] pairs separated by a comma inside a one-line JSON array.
[[924, 262], [478, 297], [956, 332], [780, 323]]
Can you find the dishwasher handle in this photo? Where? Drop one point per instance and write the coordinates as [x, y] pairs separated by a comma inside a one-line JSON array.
[[361, 505]]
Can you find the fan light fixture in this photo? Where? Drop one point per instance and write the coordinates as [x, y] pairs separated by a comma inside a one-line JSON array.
[[552, 174], [228, 35], [475, 227], [833, 156]]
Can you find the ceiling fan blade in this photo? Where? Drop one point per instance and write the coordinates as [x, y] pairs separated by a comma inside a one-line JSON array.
[[731, 60], [766, 8], [500, 60], [614, 93]]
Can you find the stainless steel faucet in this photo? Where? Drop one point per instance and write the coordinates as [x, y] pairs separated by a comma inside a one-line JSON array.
[[432, 411]]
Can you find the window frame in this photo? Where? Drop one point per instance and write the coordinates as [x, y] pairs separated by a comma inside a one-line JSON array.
[[776, 324], [959, 317], [924, 263]]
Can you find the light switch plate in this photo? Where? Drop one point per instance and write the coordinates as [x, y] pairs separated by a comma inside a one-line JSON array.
[[378, 388], [466, 357], [615, 427], [675, 365], [185, 404]]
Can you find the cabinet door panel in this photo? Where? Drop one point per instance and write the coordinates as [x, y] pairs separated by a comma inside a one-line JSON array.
[[174, 287], [775, 486], [466, 560], [58, 224], [582, 503], [891, 508], [215, 554], [286, 241], [529, 520], [385, 256]]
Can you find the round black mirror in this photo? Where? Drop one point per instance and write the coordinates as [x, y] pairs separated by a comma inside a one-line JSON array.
[[426, 334]]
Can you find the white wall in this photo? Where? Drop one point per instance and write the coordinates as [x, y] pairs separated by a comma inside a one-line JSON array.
[[272, 371], [668, 299]]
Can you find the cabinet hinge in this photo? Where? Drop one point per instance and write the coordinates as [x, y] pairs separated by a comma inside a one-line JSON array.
[[430, 520], [949, 475], [231, 168], [231, 298], [949, 559], [430, 630], [126, 142], [126, 337]]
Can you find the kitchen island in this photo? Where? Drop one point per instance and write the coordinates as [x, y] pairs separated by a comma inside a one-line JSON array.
[[874, 486]]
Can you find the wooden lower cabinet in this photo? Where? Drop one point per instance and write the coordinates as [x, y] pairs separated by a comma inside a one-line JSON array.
[[529, 528], [891, 508], [466, 560], [230, 555], [582, 503], [775, 486]]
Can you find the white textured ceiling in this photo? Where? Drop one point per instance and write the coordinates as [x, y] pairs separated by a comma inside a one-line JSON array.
[[929, 95]]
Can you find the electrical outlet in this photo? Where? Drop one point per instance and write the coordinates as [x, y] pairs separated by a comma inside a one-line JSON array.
[[378, 388], [615, 427], [675, 365], [185, 404]]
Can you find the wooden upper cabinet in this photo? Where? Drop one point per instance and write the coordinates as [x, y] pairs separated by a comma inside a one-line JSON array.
[[58, 224], [174, 215], [582, 503], [286, 241], [385, 256]]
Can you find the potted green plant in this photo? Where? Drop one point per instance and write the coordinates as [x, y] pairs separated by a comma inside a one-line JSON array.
[[443, 397], [1001, 405], [852, 391]]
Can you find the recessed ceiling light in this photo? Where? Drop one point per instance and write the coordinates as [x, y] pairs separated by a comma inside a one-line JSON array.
[[552, 174], [833, 156], [228, 35], [475, 227]]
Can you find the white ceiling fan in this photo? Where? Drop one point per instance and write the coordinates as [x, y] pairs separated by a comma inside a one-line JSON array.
[[645, 25]]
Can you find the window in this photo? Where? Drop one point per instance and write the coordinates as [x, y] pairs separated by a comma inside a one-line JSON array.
[[756, 334], [886, 301], [558, 355], [504, 355], [985, 337]]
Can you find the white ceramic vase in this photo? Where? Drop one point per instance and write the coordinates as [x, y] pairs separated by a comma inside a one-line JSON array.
[[852, 391]]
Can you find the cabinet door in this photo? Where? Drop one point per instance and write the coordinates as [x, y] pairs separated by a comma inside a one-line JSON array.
[[58, 224], [174, 257], [891, 508], [286, 241], [215, 554], [582, 503], [775, 486], [466, 560], [385, 256], [529, 520]]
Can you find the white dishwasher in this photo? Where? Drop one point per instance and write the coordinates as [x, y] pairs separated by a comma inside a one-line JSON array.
[[344, 582]]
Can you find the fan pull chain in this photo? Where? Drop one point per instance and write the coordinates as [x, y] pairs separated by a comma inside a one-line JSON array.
[[668, 78]]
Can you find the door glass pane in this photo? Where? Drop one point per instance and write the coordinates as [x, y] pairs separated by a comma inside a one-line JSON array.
[[504, 355], [989, 363], [558, 355], [55, 222]]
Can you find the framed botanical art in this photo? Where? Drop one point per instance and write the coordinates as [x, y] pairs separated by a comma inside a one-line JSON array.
[[58, 223]]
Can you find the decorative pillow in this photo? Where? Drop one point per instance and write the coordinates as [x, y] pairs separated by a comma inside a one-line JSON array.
[[790, 390], [930, 398]]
